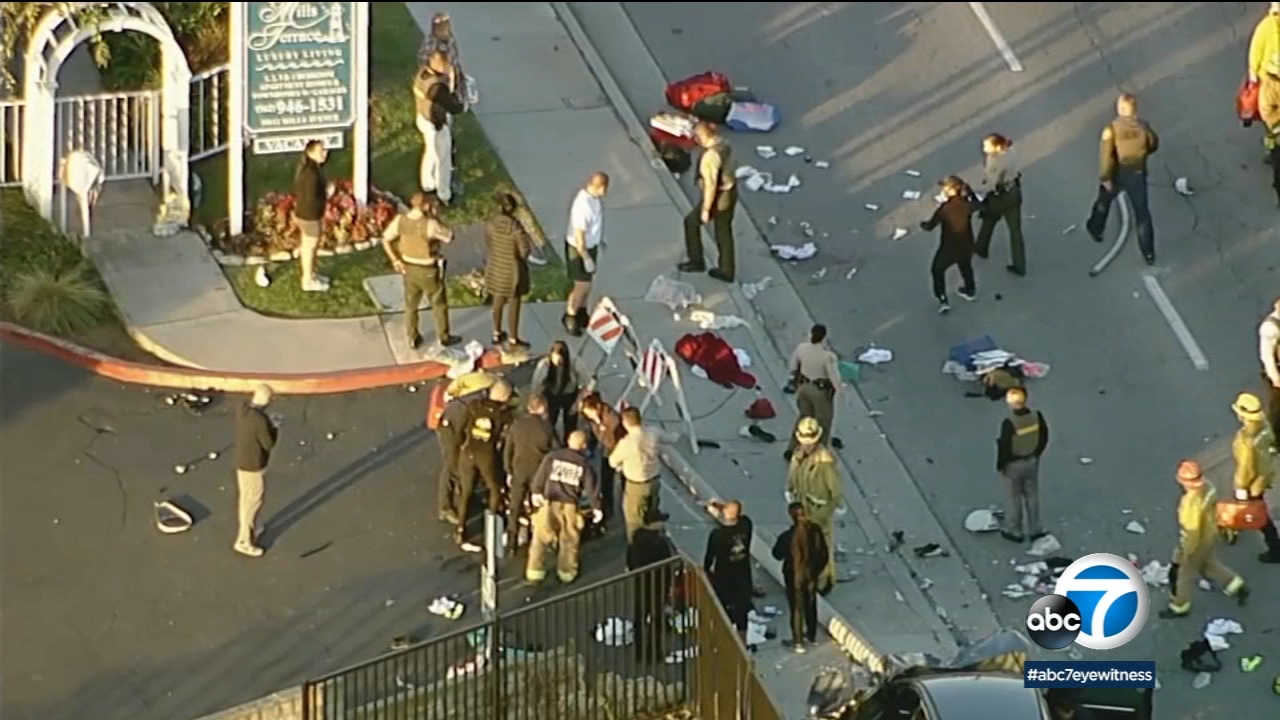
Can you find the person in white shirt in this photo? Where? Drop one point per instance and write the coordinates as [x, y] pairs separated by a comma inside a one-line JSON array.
[[82, 174], [1269, 354], [582, 247]]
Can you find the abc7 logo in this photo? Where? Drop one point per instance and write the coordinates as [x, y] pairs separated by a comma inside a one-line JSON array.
[[1116, 599]]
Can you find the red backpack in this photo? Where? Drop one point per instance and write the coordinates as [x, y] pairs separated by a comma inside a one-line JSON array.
[[684, 94]]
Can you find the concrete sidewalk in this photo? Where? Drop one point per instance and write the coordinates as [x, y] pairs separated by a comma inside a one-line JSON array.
[[550, 122]]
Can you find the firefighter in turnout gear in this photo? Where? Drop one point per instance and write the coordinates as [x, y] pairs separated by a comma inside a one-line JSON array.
[[814, 481], [564, 484], [1196, 552], [1252, 449], [486, 429]]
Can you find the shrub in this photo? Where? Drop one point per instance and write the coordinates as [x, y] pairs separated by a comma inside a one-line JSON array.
[[63, 302], [344, 221]]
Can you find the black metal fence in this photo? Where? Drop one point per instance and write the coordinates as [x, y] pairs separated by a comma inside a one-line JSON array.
[[653, 643]]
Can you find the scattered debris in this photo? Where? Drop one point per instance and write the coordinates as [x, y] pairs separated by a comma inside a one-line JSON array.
[[931, 550], [1204, 584], [849, 275], [1044, 546], [982, 520], [1069, 229], [871, 206], [1086, 460], [899, 233], [1201, 681], [794, 150], [773, 219], [766, 151], [412, 388], [896, 539], [1183, 187], [389, 602], [792, 252], [875, 413], [330, 436], [261, 278], [751, 290], [823, 164], [898, 595], [171, 519], [213, 455], [470, 547], [1135, 527], [615, 632], [191, 402], [913, 173], [875, 356], [1216, 630], [446, 607], [819, 275], [180, 469], [1250, 663], [1126, 511], [910, 194], [926, 583], [708, 320]]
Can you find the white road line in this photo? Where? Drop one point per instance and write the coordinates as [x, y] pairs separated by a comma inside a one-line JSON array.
[[1172, 317], [980, 10]]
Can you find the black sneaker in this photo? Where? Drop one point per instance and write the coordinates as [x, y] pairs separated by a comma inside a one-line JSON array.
[[1149, 258], [449, 340], [1036, 536], [837, 443], [570, 323], [1010, 536], [944, 307], [1097, 237], [691, 267], [415, 342], [718, 274], [499, 338], [1242, 595], [1014, 269], [969, 295]]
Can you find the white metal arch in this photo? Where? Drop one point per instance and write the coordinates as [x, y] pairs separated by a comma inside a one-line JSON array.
[[51, 42]]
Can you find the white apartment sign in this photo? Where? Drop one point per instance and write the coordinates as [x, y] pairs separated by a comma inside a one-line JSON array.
[[299, 66]]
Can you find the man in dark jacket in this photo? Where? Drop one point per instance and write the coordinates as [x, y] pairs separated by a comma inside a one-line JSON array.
[[486, 429], [450, 434], [956, 246], [256, 435], [1023, 437], [1126, 143], [650, 546], [506, 270], [435, 91], [728, 562], [802, 548], [529, 440], [563, 485], [311, 194]]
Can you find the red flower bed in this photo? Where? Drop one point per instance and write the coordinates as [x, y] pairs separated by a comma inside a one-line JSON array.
[[272, 228]]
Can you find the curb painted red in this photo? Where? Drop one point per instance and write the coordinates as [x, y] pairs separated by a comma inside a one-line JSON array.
[[231, 382]]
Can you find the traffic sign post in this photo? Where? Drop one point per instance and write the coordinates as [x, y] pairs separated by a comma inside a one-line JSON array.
[[608, 328]]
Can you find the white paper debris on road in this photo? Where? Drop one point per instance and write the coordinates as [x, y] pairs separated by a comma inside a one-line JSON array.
[[872, 207], [1069, 229], [1201, 680], [1045, 546], [913, 173], [773, 219], [849, 275], [792, 252], [1223, 626], [820, 274], [981, 520], [757, 633], [910, 194], [822, 164], [1135, 527], [1205, 585], [793, 181], [1086, 460], [745, 171], [766, 151], [1183, 187], [676, 295], [1155, 573], [876, 356], [751, 290], [899, 233], [794, 150], [708, 320]]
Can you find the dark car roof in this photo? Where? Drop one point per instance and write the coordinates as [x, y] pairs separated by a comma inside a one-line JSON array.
[[974, 696]]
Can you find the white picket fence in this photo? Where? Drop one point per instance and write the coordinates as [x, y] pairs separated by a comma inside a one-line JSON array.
[[121, 129]]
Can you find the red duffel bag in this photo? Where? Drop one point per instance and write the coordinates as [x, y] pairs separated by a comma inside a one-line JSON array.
[[1247, 102], [684, 94]]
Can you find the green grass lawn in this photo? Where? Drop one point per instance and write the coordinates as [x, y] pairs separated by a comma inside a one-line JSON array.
[[395, 152]]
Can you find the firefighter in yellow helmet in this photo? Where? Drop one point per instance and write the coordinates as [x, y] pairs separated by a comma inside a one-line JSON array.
[[814, 481], [1252, 448], [1198, 535]]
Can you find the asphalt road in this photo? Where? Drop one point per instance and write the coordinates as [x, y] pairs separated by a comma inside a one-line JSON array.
[[881, 88], [105, 617]]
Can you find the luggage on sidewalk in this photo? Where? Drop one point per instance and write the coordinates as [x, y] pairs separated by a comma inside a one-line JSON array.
[[752, 117], [685, 94]]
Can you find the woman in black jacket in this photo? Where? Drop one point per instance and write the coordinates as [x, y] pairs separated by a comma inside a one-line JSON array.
[[506, 269], [311, 194], [956, 246], [802, 548]]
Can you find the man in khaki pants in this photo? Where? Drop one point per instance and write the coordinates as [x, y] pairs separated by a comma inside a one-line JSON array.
[[564, 483], [256, 435]]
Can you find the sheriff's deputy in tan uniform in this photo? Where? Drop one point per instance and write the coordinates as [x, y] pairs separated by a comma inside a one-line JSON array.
[[419, 234], [718, 190], [815, 374], [814, 482], [1198, 538], [1126, 144], [1255, 470]]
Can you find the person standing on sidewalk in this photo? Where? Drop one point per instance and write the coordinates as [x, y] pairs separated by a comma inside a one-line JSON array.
[[582, 248], [506, 269], [606, 429], [1196, 553], [1002, 200], [556, 378], [311, 195], [441, 38], [728, 562], [486, 430], [563, 484], [803, 552], [1269, 355], [1126, 144], [419, 234], [814, 482], [435, 91], [529, 440], [815, 373], [256, 435], [1252, 450], [956, 242], [1023, 437], [650, 546], [636, 458], [719, 199]]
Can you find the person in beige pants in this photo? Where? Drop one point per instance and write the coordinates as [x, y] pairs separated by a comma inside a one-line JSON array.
[[256, 435]]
